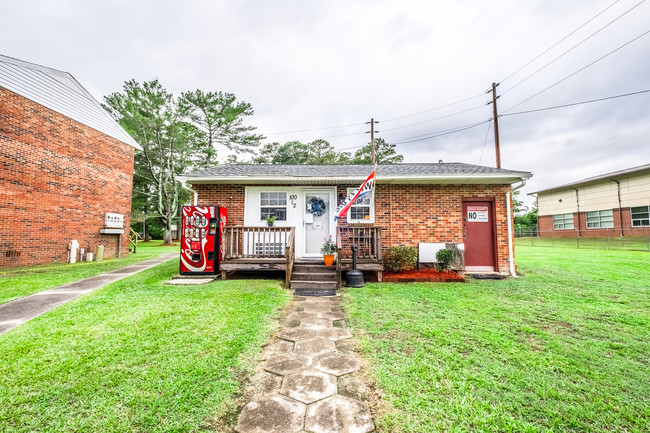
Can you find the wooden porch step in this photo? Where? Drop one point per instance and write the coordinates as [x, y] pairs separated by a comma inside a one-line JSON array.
[[313, 276], [299, 284], [313, 268]]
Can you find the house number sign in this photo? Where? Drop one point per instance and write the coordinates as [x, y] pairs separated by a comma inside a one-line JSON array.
[[477, 214], [292, 199]]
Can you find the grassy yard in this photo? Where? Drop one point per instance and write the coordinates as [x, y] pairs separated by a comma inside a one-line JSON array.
[[18, 282], [564, 348], [136, 356], [631, 243]]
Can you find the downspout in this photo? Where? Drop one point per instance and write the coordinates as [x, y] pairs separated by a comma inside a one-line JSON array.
[[195, 201], [511, 252], [185, 183], [578, 209], [620, 206]]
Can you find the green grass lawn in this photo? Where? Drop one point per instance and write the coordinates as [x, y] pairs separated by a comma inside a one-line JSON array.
[[564, 348], [136, 356], [18, 282], [632, 243]]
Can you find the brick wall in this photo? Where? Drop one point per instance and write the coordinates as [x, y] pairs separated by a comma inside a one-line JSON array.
[[624, 215], [230, 196], [58, 179], [408, 214]]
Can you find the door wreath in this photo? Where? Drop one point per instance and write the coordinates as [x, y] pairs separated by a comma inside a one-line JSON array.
[[316, 206]]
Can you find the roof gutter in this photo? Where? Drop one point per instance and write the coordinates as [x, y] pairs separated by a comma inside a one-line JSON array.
[[346, 179], [511, 252]]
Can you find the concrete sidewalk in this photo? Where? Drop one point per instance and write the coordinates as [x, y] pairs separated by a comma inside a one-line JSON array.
[[21, 310]]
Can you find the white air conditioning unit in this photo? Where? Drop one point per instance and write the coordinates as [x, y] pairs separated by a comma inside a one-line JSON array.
[[428, 250]]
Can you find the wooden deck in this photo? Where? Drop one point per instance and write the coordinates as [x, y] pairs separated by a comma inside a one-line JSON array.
[[259, 249], [273, 249]]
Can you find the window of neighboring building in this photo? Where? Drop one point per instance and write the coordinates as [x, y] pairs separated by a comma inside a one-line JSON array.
[[641, 216], [273, 203], [361, 209], [600, 219], [563, 221]]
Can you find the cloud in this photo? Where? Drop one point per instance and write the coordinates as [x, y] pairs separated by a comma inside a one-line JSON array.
[[305, 65]]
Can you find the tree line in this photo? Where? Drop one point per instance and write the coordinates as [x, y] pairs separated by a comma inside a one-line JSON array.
[[182, 133]]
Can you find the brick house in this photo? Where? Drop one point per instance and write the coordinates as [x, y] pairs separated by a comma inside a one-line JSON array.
[[411, 204], [65, 164], [610, 204]]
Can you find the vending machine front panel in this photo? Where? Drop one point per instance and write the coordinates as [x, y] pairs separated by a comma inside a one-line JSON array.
[[198, 242]]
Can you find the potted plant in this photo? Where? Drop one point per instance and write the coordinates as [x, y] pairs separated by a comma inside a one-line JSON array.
[[270, 220], [328, 250]]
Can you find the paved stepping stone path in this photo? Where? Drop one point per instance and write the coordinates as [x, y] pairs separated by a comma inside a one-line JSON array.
[[296, 388]]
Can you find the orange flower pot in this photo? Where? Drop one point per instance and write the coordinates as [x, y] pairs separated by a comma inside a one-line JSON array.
[[329, 259]]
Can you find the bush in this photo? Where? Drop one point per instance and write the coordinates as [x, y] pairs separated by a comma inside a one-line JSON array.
[[444, 258], [399, 259]]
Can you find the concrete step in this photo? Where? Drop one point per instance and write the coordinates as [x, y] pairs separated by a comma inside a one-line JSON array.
[[302, 284], [314, 276]]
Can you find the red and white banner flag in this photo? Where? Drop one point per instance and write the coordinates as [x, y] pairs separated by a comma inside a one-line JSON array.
[[364, 189]]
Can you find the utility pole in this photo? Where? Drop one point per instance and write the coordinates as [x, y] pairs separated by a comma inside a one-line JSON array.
[[495, 116], [372, 140]]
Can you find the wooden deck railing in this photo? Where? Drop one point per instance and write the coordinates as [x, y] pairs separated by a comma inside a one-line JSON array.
[[258, 242], [290, 253], [367, 240], [339, 268]]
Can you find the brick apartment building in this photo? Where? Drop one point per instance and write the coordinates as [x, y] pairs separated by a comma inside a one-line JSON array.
[[611, 204], [412, 204], [64, 165]]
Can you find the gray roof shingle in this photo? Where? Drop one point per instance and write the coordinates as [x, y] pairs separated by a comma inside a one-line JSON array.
[[269, 172]]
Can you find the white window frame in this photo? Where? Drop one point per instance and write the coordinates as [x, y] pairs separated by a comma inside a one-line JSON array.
[[640, 219], [600, 219], [371, 197], [566, 217], [262, 206]]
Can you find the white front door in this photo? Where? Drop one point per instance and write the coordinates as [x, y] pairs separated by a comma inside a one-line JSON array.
[[317, 220]]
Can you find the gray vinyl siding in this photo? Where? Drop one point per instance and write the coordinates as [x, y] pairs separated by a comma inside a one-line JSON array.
[[60, 92]]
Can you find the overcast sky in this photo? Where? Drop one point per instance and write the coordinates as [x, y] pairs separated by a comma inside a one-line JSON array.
[[305, 65]]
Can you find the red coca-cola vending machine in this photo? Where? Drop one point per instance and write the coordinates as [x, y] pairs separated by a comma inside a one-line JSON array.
[[202, 239]]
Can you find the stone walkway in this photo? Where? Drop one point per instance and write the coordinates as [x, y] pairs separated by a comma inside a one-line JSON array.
[[22, 310], [300, 384]]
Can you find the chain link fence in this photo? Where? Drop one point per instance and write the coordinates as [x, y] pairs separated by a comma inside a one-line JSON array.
[[634, 239]]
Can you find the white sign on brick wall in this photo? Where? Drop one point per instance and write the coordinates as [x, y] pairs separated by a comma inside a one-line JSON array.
[[114, 221], [477, 214]]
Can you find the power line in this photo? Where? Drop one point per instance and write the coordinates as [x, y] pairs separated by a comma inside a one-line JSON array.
[[440, 133], [316, 129], [573, 47], [579, 70], [485, 141], [433, 109], [435, 118], [561, 40], [339, 135], [577, 103], [389, 120]]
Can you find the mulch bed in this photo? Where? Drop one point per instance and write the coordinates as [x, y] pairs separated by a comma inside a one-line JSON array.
[[423, 276]]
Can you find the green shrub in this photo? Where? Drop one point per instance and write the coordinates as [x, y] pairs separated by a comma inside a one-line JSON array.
[[398, 258], [444, 258]]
